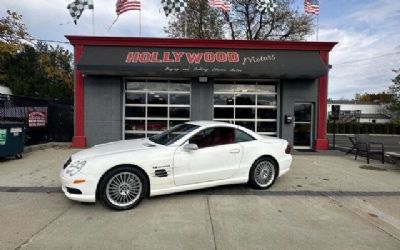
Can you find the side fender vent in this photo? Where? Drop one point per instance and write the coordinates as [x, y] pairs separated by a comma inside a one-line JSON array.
[[161, 173]]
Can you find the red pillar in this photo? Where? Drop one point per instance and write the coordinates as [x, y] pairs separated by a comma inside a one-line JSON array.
[[321, 142], [79, 139]]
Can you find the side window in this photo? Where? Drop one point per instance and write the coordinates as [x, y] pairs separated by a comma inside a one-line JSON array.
[[241, 136], [213, 137]]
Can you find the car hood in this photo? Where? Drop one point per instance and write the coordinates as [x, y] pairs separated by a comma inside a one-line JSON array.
[[114, 148]]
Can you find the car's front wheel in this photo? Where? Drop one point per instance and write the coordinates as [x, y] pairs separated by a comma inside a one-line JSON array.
[[263, 173], [123, 188]]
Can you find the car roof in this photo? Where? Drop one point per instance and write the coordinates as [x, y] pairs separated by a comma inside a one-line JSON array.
[[210, 123]]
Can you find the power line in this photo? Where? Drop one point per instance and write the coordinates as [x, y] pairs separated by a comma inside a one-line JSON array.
[[35, 39], [368, 58], [50, 41]]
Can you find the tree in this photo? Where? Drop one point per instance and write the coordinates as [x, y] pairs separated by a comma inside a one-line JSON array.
[[42, 71], [244, 21], [199, 21], [12, 33], [382, 97], [32, 69], [55, 63], [394, 106]]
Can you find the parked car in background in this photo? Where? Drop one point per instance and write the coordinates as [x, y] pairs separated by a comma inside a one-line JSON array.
[[189, 156]]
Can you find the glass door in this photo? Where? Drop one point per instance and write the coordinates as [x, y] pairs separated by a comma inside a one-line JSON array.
[[303, 115]]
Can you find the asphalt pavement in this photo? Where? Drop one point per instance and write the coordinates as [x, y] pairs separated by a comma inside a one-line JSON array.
[[327, 201]]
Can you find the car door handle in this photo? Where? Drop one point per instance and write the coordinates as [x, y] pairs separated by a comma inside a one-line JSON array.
[[234, 151]]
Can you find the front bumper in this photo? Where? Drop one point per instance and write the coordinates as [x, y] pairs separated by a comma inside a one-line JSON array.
[[87, 188]]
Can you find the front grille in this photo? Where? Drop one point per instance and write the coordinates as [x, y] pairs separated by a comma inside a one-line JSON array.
[[73, 191], [67, 162]]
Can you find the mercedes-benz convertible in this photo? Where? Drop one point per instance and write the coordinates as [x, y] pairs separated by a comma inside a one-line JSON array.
[[192, 155]]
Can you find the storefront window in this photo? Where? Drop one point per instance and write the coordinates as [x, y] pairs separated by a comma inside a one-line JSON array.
[[221, 99], [179, 99], [250, 104], [135, 98], [224, 113], [152, 106]]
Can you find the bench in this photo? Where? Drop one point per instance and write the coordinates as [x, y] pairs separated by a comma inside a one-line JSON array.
[[362, 143]]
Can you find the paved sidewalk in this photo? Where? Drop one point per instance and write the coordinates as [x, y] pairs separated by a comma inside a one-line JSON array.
[[325, 202]]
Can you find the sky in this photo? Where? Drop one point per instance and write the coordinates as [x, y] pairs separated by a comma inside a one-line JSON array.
[[367, 32]]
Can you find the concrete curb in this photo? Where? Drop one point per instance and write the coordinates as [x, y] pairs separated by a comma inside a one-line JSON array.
[[32, 148]]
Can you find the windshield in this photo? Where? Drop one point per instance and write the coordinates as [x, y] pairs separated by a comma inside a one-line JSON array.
[[170, 136]]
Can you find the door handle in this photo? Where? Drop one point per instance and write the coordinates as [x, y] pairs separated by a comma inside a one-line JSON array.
[[234, 151]]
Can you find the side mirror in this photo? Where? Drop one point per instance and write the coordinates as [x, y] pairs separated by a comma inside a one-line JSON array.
[[190, 147]]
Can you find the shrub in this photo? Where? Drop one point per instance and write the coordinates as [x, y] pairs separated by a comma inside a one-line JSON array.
[[364, 128], [386, 129], [349, 128], [357, 129]]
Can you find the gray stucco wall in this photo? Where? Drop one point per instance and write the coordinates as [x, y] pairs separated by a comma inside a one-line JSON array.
[[103, 106], [296, 91], [103, 109], [202, 102]]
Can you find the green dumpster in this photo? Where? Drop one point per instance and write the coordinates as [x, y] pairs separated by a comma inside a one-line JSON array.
[[12, 138]]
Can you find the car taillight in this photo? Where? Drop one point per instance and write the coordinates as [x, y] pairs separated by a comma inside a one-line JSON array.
[[288, 149]]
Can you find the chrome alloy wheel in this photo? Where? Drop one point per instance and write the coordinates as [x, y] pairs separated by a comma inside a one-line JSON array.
[[124, 189], [264, 173]]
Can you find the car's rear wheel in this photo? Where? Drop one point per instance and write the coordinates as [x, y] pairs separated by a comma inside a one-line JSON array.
[[123, 188], [263, 173]]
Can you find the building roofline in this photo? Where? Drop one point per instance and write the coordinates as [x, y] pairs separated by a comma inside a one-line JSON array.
[[354, 102], [198, 43]]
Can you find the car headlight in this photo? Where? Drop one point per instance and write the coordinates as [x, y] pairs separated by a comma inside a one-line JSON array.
[[75, 167]]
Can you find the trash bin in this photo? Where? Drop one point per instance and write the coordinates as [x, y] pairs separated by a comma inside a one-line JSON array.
[[12, 139]]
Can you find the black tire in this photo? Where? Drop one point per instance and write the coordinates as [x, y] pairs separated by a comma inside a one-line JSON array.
[[105, 185], [271, 163], [18, 156]]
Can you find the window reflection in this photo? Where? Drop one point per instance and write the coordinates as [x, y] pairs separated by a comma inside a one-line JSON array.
[[135, 112], [135, 98], [245, 113], [224, 113], [221, 99], [157, 98], [266, 126], [179, 112], [266, 113], [269, 100], [135, 125], [248, 125], [245, 99], [179, 99], [166, 104], [252, 104]]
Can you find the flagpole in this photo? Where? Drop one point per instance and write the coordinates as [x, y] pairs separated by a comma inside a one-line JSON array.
[[185, 24], [140, 23], [93, 21], [317, 27]]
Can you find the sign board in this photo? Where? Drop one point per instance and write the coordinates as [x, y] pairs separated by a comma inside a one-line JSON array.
[[16, 131], [37, 119], [3, 136], [335, 112], [194, 62]]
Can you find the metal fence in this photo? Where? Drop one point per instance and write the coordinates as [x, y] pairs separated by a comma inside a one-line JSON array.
[[45, 120]]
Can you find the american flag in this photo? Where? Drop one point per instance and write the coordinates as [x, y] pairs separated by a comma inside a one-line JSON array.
[[223, 5], [125, 5], [311, 6]]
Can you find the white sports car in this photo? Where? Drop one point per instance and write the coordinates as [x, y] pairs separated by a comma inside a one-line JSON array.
[[189, 156]]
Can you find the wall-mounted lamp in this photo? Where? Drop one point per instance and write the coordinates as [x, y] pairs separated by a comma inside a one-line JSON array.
[[203, 79]]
